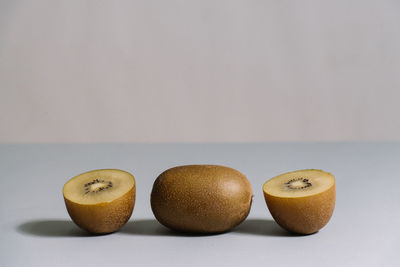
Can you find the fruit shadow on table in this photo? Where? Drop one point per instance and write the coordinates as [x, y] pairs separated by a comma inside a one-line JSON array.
[[150, 227], [262, 227], [51, 228]]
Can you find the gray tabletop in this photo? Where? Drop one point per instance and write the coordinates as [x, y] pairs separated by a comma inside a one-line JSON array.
[[37, 231]]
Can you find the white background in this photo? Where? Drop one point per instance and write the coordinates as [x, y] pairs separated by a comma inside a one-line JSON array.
[[199, 71]]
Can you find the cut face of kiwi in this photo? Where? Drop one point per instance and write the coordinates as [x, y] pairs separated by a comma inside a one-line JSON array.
[[97, 186], [301, 201], [299, 183], [100, 201]]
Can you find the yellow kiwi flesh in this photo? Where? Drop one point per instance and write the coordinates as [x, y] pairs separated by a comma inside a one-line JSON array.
[[201, 198], [301, 201], [100, 201]]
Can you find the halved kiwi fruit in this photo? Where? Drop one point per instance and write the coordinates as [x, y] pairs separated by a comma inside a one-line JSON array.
[[100, 201], [301, 201]]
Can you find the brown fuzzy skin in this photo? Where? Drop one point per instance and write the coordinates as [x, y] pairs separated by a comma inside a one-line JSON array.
[[303, 215], [201, 198], [103, 218]]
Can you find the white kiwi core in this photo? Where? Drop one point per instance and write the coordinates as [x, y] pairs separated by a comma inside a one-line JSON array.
[[299, 183], [98, 186]]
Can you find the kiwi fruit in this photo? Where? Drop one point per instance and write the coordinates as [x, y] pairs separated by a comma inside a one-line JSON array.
[[100, 201], [201, 198], [301, 201]]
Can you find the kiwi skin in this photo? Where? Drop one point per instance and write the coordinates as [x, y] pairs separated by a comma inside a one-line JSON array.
[[303, 215], [203, 199], [103, 218]]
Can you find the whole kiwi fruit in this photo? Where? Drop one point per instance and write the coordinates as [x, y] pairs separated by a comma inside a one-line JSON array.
[[201, 198]]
